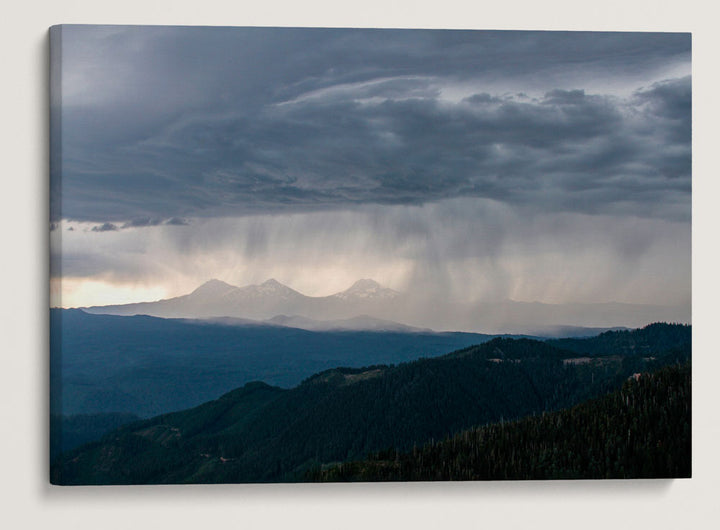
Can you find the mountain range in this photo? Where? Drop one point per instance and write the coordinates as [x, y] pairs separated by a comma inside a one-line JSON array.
[[269, 299], [364, 304]]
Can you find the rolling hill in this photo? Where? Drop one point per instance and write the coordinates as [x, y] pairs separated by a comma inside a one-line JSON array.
[[147, 365], [260, 433]]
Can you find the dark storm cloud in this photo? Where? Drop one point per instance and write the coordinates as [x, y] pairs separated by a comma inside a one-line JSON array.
[[142, 221], [134, 223], [165, 123], [105, 227], [670, 99], [670, 104], [177, 221]]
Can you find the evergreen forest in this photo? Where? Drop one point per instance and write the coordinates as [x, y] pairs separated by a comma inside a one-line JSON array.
[[505, 409]]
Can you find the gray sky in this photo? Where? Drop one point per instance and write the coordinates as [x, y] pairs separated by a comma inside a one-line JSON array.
[[546, 166]]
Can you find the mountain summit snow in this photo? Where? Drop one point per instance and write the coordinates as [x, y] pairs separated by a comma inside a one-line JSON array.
[[213, 288], [367, 289]]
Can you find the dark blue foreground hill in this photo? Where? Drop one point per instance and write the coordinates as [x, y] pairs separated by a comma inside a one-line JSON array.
[[261, 433]]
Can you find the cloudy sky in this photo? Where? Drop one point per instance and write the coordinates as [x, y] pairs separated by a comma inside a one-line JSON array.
[[472, 165]]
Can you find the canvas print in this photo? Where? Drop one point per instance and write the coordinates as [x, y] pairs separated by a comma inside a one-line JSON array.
[[330, 255]]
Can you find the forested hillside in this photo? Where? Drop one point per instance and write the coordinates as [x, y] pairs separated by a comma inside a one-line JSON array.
[[262, 433], [641, 431], [636, 342]]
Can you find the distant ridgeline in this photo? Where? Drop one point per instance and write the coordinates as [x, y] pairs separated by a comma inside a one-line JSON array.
[[261, 433], [644, 341], [147, 366]]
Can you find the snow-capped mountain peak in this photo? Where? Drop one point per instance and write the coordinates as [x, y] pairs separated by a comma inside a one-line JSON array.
[[367, 289], [272, 286], [214, 288], [269, 289]]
